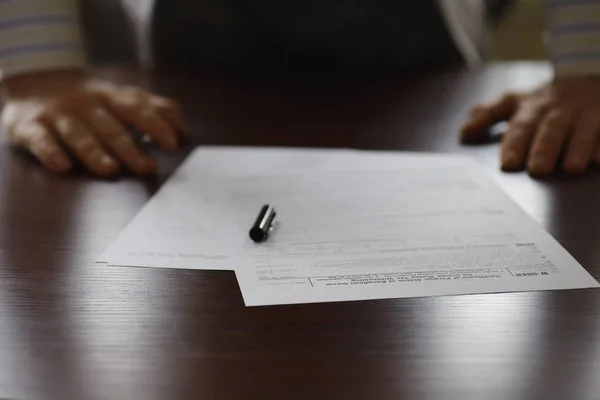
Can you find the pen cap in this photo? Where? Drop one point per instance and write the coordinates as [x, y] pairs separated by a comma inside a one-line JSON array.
[[263, 224]]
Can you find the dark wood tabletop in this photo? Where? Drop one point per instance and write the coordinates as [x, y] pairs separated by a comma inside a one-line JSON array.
[[72, 329]]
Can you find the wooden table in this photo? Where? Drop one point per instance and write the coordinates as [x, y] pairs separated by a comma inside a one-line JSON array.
[[70, 329]]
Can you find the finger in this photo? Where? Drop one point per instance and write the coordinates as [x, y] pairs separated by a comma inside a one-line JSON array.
[[78, 138], [582, 145], [484, 115], [171, 112], [116, 137], [596, 157], [549, 140], [517, 139], [144, 117], [38, 140]]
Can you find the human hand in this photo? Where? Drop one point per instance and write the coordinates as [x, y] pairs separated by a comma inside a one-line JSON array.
[[560, 118], [62, 115]]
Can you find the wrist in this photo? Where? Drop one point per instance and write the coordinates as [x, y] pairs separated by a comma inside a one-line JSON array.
[[24, 85]]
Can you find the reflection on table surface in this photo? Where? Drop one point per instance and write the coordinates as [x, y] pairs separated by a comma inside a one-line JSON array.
[[71, 329]]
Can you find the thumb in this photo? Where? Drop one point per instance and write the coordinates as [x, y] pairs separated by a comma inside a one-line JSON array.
[[484, 115]]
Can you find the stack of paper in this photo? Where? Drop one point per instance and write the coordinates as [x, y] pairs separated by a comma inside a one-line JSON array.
[[352, 225]]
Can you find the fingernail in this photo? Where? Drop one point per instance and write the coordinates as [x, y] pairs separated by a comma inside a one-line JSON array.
[[539, 165], [469, 126], [60, 162], [539, 161], [171, 142], [574, 164], [141, 163], [152, 164], [184, 128], [108, 166], [107, 161], [510, 160], [146, 165]]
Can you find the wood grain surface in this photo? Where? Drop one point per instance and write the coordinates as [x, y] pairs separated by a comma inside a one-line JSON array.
[[70, 329]]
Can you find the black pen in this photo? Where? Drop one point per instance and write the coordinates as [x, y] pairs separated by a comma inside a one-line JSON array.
[[263, 225]]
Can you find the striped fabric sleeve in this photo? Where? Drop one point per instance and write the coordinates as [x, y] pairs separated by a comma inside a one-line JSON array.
[[574, 36], [39, 35]]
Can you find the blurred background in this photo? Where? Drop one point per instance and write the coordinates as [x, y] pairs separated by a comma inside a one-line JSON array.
[[517, 36]]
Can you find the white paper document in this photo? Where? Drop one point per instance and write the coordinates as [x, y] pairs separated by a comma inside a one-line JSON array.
[[351, 225], [187, 224]]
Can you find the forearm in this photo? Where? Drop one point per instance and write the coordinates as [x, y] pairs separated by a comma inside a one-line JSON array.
[[38, 36], [574, 34]]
